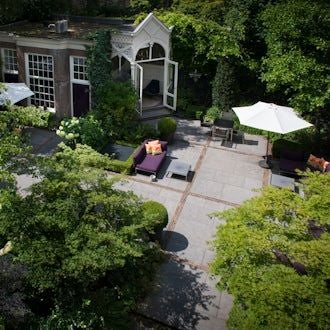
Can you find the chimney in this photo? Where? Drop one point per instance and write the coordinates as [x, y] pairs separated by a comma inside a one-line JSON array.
[[61, 26]]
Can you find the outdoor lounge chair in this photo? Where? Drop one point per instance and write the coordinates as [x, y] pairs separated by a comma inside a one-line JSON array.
[[152, 88]]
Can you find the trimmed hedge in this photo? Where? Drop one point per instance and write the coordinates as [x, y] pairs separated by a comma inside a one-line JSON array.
[[283, 144], [119, 166], [156, 219]]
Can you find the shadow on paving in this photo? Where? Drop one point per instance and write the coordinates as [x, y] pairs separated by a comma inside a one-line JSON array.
[[181, 298], [42, 141]]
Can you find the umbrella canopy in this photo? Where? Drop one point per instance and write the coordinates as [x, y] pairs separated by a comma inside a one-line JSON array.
[[15, 92], [270, 117]]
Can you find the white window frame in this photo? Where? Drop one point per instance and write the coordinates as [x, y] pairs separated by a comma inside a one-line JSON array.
[[28, 76], [73, 80], [3, 58]]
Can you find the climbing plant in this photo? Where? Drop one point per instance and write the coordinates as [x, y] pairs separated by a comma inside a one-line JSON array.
[[98, 61]]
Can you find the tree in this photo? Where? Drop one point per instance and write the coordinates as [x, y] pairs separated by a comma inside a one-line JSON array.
[[297, 60], [272, 255], [77, 234], [197, 42]]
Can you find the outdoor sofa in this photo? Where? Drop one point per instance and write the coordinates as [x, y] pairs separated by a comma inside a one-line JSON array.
[[291, 160], [149, 163]]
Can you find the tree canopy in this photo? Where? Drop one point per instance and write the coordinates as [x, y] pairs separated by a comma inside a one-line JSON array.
[[75, 233], [272, 254]]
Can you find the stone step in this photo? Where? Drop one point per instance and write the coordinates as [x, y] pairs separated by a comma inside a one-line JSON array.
[[155, 113]]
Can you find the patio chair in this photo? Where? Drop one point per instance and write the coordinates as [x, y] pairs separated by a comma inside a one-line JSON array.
[[220, 132]]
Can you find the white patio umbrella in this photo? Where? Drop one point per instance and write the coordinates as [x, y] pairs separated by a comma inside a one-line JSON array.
[[272, 118], [14, 92]]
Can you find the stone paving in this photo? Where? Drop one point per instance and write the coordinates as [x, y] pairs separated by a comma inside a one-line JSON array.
[[185, 295], [222, 176]]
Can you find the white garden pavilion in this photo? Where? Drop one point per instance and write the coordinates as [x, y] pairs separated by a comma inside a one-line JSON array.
[[144, 55]]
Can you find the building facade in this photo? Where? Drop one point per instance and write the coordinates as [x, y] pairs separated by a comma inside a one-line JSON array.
[[52, 60]]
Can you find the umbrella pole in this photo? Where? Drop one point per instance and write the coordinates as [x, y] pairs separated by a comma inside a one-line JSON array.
[[264, 163]]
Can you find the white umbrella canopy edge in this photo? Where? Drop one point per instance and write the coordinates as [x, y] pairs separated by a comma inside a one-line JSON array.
[[14, 92], [270, 117]]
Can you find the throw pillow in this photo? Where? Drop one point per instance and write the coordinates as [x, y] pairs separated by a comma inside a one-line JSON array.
[[148, 148], [316, 162], [327, 169], [154, 142], [156, 149]]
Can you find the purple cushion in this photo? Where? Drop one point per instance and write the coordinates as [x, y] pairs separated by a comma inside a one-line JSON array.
[[152, 163]]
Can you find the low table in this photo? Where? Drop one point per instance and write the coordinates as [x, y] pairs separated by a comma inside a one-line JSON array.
[[179, 168], [282, 181]]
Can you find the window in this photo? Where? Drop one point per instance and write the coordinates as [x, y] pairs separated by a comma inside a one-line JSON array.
[[79, 68], [10, 61], [40, 74]]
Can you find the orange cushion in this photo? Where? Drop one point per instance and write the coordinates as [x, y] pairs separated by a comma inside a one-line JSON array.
[[156, 149], [154, 142], [315, 162], [148, 148]]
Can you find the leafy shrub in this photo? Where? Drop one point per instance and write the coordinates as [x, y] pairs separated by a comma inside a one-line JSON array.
[[139, 133], [156, 218], [83, 155], [212, 114], [117, 108], [166, 126], [85, 130], [31, 116]]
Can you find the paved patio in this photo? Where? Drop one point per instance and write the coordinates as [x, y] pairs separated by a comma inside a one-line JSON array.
[[184, 295], [222, 176]]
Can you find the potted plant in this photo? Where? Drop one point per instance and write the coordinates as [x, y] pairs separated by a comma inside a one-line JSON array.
[[167, 127], [210, 116]]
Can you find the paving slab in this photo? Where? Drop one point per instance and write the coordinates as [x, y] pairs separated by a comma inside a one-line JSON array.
[[198, 228], [185, 298]]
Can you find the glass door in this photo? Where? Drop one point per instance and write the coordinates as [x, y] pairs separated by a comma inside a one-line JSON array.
[[139, 85], [170, 84]]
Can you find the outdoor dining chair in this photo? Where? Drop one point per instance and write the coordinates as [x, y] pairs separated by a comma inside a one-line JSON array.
[[220, 132]]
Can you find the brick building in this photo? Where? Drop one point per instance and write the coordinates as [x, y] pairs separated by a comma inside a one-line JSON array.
[[51, 60]]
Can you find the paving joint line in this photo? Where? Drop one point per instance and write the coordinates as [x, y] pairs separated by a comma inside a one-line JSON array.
[[213, 199], [185, 194]]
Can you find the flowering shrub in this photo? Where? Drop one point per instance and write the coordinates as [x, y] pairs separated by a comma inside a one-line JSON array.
[[84, 130]]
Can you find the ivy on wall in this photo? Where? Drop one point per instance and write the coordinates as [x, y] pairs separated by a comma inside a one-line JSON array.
[[98, 61]]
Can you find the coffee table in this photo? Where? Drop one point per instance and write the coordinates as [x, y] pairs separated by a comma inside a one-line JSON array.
[[179, 168], [282, 181]]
